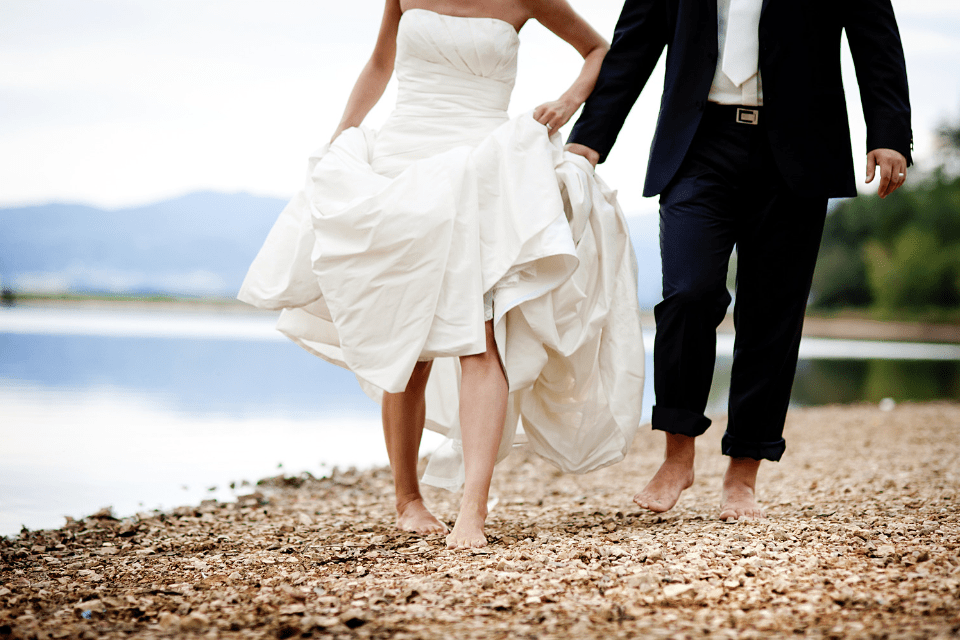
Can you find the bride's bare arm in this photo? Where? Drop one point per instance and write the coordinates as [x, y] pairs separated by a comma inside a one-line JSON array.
[[560, 18], [376, 73]]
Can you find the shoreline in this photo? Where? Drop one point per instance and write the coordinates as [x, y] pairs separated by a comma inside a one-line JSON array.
[[862, 541], [846, 326]]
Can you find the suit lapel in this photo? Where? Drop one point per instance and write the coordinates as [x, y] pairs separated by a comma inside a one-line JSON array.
[[764, 7]]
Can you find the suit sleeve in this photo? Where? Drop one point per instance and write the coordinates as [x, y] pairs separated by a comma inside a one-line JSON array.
[[881, 74], [638, 42]]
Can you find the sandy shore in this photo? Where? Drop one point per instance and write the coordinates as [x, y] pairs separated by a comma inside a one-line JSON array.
[[861, 542], [848, 326]]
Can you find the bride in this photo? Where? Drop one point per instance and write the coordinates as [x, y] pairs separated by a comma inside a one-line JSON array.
[[469, 272]]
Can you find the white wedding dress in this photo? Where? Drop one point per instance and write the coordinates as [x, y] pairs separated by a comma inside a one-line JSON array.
[[387, 255]]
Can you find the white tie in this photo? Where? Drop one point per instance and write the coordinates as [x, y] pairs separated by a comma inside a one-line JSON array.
[[741, 46]]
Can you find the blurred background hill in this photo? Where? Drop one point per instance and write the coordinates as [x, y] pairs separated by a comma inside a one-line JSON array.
[[197, 245]]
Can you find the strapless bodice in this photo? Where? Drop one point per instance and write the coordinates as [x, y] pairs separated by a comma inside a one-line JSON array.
[[450, 65], [455, 76]]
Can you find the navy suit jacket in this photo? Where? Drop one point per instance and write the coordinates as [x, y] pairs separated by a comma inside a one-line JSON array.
[[804, 110]]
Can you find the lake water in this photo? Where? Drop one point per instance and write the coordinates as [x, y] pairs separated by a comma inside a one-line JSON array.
[[145, 409]]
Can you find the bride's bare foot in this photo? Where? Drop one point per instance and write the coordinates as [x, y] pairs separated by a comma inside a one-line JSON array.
[[673, 476], [468, 530], [414, 516], [738, 500]]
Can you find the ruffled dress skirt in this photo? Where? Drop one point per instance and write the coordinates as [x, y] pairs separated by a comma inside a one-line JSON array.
[[387, 255]]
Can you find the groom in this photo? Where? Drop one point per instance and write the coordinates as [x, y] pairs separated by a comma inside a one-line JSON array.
[[751, 141]]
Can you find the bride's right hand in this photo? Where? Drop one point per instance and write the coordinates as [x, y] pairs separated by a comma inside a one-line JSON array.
[[554, 115]]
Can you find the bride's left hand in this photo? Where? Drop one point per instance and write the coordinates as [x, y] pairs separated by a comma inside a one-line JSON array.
[[554, 115]]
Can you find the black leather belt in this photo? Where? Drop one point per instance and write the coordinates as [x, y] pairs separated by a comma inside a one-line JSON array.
[[734, 113]]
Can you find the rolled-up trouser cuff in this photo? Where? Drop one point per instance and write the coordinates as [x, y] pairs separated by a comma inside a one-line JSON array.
[[679, 421], [738, 448]]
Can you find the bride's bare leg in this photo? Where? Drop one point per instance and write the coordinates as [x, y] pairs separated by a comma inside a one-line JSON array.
[[483, 407], [403, 417]]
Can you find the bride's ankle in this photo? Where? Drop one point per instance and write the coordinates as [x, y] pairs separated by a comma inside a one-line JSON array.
[[473, 506]]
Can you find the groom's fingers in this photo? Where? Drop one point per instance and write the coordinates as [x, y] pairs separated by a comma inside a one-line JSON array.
[[899, 176], [886, 171], [591, 155], [871, 166]]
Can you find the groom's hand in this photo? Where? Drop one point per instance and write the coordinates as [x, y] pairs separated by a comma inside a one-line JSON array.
[[592, 156], [893, 170]]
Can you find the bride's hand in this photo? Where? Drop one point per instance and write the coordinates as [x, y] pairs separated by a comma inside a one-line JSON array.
[[554, 115]]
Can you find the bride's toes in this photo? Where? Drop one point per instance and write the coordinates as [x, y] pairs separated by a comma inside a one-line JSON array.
[[460, 540], [468, 530]]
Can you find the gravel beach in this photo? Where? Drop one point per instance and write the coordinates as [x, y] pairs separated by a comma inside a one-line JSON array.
[[861, 542]]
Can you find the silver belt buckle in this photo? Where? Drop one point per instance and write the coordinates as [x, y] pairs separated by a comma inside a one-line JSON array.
[[748, 116]]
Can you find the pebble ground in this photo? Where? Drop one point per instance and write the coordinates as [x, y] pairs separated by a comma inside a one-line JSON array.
[[861, 542]]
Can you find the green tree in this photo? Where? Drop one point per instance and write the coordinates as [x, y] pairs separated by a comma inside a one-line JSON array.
[[913, 272]]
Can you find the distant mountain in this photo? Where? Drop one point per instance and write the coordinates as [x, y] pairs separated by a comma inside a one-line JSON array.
[[197, 245]]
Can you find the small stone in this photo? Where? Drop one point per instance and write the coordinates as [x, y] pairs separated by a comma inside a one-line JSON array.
[[780, 535], [674, 590], [194, 622], [91, 605], [169, 620], [505, 565], [304, 519], [714, 593], [353, 618]]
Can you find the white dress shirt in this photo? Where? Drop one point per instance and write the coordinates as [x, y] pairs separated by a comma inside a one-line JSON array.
[[723, 90]]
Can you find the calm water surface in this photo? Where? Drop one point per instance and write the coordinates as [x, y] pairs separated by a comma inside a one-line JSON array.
[[144, 409]]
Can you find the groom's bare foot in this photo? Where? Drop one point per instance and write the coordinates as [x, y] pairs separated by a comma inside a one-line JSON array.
[[468, 530], [414, 516], [738, 500], [673, 476]]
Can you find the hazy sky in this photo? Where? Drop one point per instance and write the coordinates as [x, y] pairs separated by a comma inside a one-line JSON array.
[[122, 102]]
